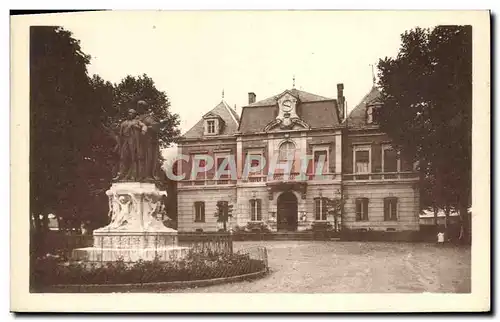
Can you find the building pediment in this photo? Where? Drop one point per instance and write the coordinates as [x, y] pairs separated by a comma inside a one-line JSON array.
[[211, 115], [287, 118]]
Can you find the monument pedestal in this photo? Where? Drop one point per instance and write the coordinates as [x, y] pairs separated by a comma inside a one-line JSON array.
[[135, 231]]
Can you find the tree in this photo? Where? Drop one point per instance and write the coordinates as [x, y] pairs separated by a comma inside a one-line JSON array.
[[427, 96], [223, 211], [129, 91], [60, 120], [71, 128]]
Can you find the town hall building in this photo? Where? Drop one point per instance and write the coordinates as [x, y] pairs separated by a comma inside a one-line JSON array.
[[378, 190]]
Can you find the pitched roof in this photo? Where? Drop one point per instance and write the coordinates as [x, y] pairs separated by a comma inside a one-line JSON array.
[[301, 95], [357, 117], [226, 113], [315, 110]]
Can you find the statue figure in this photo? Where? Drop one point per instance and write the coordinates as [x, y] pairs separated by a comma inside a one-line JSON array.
[[138, 146], [149, 147], [129, 147]]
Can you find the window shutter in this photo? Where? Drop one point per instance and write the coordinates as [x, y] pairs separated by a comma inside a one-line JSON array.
[[259, 210], [358, 209], [202, 215], [394, 205], [252, 209], [366, 209], [386, 209], [316, 208], [323, 209]]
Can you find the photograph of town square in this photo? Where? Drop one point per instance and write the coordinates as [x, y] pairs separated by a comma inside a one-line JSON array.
[[231, 152]]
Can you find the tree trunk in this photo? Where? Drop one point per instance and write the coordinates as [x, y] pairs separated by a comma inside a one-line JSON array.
[[465, 233], [446, 217], [224, 224], [436, 210]]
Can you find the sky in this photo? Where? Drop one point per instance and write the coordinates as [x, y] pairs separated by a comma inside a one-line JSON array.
[[194, 56]]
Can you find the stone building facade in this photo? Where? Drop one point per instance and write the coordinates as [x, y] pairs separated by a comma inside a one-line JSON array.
[[305, 153]]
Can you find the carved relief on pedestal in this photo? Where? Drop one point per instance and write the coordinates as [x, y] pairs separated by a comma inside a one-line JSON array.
[[135, 207]]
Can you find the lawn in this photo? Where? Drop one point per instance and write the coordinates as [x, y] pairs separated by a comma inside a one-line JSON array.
[[357, 267]]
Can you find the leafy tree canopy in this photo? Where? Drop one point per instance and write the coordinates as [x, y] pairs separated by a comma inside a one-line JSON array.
[[427, 95]]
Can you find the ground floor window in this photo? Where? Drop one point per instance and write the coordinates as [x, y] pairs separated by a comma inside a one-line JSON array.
[[199, 211], [320, 210], [361, 209], [256, 209], [391, 209]]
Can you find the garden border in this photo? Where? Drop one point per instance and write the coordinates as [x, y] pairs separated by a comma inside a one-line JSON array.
[[147, 287]]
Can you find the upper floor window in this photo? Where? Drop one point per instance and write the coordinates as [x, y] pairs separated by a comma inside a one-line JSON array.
[[369, 115], [362, 157], [256, 209], [320, 160], [222, 166], [390, 161], [199, 211], [211, 126], [372, 114], [287, 151], [199, 161], [390, 208], [361, 209], [254, 161]]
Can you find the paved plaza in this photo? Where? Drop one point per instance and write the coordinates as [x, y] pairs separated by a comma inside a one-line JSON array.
[[357, 267]]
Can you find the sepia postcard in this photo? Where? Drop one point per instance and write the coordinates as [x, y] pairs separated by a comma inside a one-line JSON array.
[[276, 161]]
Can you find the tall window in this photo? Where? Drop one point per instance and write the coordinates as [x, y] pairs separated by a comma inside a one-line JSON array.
[[320, 210], [254, 157], [362, 161], [211, 127], [256, 209], [222, 171], [287, 151], [201, 174], [320, 161], [361, 209], [391, 209], [390, 161], [199, 211]]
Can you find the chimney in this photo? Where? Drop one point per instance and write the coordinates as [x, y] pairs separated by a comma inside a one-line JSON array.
[[251, 98], [340, 100]]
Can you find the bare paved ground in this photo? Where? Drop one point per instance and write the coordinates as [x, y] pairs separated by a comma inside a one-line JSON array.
[[353, 267]]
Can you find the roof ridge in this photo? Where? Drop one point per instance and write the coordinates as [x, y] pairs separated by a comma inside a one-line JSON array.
[[230, 112]]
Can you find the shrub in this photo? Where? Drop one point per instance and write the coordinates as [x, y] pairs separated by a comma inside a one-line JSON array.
[[321, 226], [196, 266], [257, 227]]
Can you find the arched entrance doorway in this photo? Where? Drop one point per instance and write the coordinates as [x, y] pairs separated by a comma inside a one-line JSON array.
[[287, 212]]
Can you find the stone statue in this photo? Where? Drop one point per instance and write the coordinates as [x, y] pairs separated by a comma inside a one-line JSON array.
[[129, 147], [138, 146], [150, 148]]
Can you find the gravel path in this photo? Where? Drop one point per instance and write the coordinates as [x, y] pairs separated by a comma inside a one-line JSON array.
[[356, 267]]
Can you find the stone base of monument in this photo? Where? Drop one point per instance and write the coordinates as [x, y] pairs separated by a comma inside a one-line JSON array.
[[135, 232], [92, 254]]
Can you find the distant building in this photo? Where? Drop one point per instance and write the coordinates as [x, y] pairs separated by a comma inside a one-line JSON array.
[[311, 134], [427, 218]]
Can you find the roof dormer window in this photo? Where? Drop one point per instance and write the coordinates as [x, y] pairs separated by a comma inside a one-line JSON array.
[[213, 124], [372, 114], [211, 127]]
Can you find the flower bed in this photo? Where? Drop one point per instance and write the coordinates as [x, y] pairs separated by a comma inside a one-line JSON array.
[[49, 271]]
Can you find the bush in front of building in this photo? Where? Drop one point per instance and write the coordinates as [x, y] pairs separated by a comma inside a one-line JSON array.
[[49, 271]]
